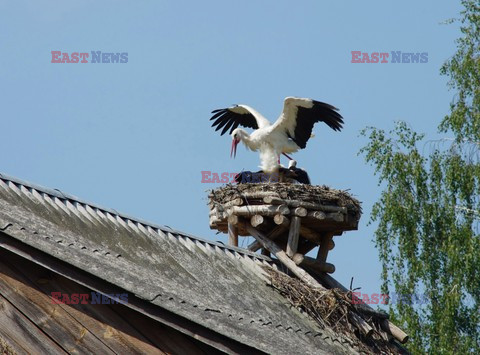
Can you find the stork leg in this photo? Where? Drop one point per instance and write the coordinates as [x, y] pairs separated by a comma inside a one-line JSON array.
[[286, 156]]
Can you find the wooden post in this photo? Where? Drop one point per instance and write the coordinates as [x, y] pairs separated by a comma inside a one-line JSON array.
[[234, 202], [317, 215], [360, 323], [324, 247], [274, 234], [280, 219], [213, 221], [311, 263], [257, 220], [331, 245], [284, 259], [293, 235], [299, 211], [232, 235], [232, 219], [397, 333]]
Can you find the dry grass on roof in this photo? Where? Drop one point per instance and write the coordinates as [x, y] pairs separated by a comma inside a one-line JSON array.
[[333, 308]]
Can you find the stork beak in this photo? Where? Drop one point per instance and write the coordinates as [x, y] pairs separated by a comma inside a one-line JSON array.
[[233, 151]]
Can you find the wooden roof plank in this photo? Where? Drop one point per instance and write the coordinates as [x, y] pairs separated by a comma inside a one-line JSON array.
[[23, 335]]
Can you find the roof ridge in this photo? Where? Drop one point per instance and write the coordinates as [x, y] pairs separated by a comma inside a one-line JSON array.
[[166, 229]]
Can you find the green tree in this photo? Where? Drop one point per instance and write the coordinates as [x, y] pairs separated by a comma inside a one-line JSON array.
[[428, 213]]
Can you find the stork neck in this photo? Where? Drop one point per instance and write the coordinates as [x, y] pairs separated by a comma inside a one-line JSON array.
[[246, 139]]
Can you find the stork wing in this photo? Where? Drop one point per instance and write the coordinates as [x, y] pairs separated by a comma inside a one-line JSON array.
[[299, 116], [232, 117]]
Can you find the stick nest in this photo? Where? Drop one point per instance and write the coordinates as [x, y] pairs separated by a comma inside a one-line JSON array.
[[308, 193], [332, 308]]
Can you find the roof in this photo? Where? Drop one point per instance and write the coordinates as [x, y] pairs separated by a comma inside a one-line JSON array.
[[220, 287]]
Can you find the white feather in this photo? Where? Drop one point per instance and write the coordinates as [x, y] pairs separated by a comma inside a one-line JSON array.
[[268, 158]]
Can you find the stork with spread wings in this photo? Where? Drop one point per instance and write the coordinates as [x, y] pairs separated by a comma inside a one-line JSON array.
[[288, 134]]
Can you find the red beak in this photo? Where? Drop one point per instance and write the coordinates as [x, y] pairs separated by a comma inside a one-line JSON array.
[[233, 151]]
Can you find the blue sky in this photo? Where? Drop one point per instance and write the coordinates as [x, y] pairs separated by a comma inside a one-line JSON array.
[[136, 136]]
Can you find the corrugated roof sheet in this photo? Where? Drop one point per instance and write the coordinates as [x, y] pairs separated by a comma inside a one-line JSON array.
[[218, 286]]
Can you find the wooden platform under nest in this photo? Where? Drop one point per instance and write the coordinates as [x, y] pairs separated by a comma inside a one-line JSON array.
[[297, 217], [322, 209]]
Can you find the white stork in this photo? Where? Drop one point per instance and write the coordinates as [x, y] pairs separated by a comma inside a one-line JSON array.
[[287, 135]]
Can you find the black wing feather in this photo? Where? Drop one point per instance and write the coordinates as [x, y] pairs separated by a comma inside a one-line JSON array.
[[223, 122], [227, 126], [217, 113], [228, 119], [235, 125], [307, 117], [218, 120]]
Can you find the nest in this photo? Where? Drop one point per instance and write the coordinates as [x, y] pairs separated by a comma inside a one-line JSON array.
[[333, 309], [308, 193], [322, 209]]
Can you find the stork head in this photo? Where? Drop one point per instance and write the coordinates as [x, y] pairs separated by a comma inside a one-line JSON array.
[[238, 135]]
